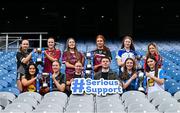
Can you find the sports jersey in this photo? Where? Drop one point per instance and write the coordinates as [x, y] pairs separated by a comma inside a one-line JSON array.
[[72, 60], [152, 85], [98, 54], [123, 54], [48, 64]]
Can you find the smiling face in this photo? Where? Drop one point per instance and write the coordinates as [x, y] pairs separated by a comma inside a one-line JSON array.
[[78, 67], [71, 43], [151, 63], [25, 45], [129, 64], [127, 42], [152, 49], [51, 43], [100, 41], [32, 70], [55, 67]]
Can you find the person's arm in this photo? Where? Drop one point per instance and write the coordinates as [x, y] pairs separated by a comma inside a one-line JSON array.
[[125, 85], [26, 82], [68, 83], [64, 60], [83, 59], [54, 58], [69, 65], [60, 87], [119, 62], [97, 66], [71, 80], [119, 59], [160, 81], [25, 60]]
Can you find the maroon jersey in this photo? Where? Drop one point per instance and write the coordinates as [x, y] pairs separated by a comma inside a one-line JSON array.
[[98, 54], [72, 59], [56, 53]]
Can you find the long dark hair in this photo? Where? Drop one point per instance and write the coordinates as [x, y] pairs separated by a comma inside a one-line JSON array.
[[125, 73], [130, 38], [27, 74], [103, 38], [156, 65], [77, 54]]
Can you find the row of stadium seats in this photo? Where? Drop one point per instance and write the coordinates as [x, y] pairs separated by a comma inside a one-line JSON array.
[[58, 102]]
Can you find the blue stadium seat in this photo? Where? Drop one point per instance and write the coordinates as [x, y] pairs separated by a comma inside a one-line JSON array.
[[177, 77], [174, 89], [7, 79], [13, 76], [1, 87], [13, 90], [13, 72], [4, 83], [169, 83], [4, 66], [63, 67]]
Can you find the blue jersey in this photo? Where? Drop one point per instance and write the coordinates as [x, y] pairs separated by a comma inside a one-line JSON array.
[[133, 85], [123, 54]]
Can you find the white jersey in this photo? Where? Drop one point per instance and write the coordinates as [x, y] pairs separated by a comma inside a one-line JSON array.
[[152, 85]]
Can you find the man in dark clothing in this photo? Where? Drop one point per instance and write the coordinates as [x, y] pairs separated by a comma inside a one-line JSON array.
[[106, 73]]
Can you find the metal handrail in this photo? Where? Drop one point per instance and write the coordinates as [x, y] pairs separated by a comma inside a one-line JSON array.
[[9, 44], [21, 33]]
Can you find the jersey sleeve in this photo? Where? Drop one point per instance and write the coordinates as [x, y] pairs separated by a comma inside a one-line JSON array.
[[162, 74], [119, 54], [64, 57], [19, 57]]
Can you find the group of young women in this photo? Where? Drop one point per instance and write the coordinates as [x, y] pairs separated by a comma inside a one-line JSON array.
[[74, 62], [127, 61]]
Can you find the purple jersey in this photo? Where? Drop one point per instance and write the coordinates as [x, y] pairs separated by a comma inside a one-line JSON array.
[[72, 59]]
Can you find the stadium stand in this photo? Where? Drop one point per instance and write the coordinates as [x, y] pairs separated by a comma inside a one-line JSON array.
[[11, 100]]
